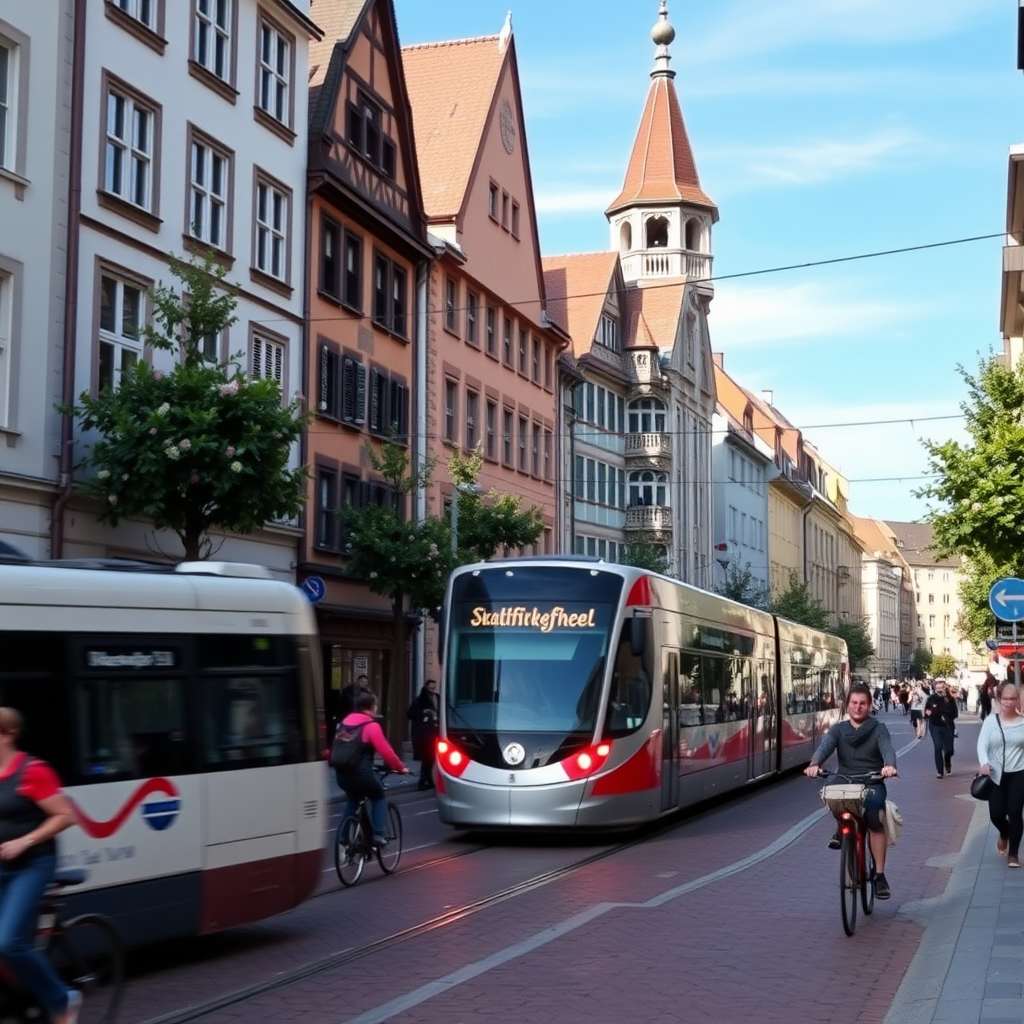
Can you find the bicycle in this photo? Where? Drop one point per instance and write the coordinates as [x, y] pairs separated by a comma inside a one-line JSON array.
[[86, 952], [353, 842], [856, 862]]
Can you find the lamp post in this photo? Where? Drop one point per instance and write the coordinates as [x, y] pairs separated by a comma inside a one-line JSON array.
[[460, 489]]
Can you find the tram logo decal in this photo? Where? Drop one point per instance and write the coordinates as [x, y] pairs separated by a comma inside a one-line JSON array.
[[158, 814], [521, 617], [514, 753]]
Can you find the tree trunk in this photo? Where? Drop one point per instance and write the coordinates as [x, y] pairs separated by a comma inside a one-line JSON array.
[[398, 691]]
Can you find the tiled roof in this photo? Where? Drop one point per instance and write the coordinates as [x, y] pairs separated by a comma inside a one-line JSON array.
[[731, 396], [337, 18], [916, 540], [661, 167], [874, 536], [451, 88], [576, 287], [653, 315]]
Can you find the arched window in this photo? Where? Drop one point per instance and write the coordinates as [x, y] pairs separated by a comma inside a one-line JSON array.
[[646, 416], [657, 233], [625, 237], [646, 487], [693, 235]]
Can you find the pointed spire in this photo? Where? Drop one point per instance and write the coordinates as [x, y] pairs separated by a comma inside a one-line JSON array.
[[506, 33], [662, 34]]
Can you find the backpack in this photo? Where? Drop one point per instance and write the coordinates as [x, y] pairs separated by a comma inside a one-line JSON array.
[[347, 748]]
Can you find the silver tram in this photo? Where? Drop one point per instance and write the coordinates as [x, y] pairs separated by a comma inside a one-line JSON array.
[[583, 694]]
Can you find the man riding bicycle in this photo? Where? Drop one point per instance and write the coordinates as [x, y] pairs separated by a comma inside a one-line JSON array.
[[863, 746]]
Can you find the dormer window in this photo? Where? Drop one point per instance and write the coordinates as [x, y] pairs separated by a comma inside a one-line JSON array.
[[366, 136]]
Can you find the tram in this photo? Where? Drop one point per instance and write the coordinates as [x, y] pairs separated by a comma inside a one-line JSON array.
[[584, 694], [182, 709]]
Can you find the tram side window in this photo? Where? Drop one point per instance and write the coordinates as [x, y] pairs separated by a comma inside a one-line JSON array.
[[630, 696], [800, 685], [251, 721], [691, 700], [132, 729]]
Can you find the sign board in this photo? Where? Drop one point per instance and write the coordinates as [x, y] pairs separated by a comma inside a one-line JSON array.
[[1005, 632], [1006, 599], [314, 588], [360, 666]]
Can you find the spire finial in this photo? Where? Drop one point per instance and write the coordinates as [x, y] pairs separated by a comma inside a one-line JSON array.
[[662, 34], [506, 33]]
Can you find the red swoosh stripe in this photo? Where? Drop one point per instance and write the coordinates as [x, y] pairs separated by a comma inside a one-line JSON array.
[[105, 829]]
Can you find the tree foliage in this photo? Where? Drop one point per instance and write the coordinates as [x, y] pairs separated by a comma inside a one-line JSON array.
[[977, 574], [201, 446], [943, 665], [858, 640], [920, 663], [743, 586], [644, 552], [797, 604]]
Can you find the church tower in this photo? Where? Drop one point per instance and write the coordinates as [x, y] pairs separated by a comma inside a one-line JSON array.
[[661, 220]]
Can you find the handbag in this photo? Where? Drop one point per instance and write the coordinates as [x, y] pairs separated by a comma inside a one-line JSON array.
[[893, 822], [983, 786]]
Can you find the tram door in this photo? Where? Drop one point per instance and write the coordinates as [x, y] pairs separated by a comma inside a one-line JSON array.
[[764, 723], [670, 729]]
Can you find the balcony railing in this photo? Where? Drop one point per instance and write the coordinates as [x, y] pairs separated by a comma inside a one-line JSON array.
[[667, 263], [649, 517], [649, 445]]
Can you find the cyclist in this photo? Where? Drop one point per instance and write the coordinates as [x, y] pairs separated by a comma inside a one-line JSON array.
[[862, 745], [362, 781], [32, 811]]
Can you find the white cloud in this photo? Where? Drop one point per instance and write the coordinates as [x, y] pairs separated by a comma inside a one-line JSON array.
[[745, 315], [562, 201]]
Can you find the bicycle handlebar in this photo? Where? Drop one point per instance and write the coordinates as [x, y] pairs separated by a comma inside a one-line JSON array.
[[865, 777]]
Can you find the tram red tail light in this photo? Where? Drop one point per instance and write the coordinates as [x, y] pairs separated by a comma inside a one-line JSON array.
[[450, 758], [640, 593], [587, 762]]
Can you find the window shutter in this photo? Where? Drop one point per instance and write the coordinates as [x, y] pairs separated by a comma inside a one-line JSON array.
[[359, 416], [329, 403], [257, 357], [376, 410]]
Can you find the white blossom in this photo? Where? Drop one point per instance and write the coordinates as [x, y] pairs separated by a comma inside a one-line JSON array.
[[236, 467], [172, 452]]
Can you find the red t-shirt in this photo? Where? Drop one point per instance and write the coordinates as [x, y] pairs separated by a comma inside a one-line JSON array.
[[38, 782]]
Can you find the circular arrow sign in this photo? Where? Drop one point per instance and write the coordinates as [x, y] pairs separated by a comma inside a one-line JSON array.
[[315, 588], [1006, 599]]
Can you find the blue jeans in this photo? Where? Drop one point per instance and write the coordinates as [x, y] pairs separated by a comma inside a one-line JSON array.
[[20, 892], [365, 784]]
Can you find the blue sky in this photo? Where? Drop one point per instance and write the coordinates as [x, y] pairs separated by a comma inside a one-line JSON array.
[[822, 129]]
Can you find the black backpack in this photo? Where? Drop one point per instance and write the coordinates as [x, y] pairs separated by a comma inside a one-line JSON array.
[[347, 748]]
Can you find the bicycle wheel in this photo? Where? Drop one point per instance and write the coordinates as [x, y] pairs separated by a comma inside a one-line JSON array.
[[87, 955], [388, 856], [867, 877], [848, 882], [349, 850]]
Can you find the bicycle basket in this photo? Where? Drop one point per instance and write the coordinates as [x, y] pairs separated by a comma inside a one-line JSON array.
[[840, 798]]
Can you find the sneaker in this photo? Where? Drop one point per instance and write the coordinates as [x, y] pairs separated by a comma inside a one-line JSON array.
[[835, 843], [74, 1006], [881, 888], [939, 776], [380, 840]]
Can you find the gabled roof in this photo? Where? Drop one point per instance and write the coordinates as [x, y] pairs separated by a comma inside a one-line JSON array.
[[661, 168], [451, 88], [652, 315], [915, 540], [576, 287], [339, 19]]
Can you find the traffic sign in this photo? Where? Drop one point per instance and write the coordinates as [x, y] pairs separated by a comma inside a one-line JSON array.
[[314, 588], [1006, 599]]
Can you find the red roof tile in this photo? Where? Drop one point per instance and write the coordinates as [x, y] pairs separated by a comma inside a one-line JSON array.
[[576, 287], [653, 315]]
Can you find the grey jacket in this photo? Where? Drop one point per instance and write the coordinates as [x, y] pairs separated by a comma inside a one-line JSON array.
[[859, 751]]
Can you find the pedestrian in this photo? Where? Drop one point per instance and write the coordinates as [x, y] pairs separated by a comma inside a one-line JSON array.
[[985, 693], [424, 713], [350, 694], [918, 698], [1001, 755], [941, 711], [904, 698]]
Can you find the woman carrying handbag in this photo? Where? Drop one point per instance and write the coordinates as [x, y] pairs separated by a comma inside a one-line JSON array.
[[1001, 756]]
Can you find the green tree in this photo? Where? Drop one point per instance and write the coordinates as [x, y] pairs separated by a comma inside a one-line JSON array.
[[920, 663], [797, 604], [943, 665], [201, 446], [977, 574], [643, 552], [743, 586], [858, 640]]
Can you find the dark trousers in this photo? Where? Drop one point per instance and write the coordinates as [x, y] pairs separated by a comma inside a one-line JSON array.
[[1006, 809], [942, 740]]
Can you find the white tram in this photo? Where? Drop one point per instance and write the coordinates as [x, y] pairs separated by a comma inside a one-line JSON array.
[[583, 694], [182, 709]]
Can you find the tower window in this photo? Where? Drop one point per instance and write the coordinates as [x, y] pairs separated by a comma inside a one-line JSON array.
[[657, 233]]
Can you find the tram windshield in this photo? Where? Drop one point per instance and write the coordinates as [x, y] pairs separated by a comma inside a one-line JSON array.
[[528, 648]]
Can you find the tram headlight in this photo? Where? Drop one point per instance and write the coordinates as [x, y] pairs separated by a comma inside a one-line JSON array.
[[587, 761], [451, 759]]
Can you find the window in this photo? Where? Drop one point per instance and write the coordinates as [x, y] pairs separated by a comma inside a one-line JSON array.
[[120, 340], [326, 509], [608, 333], [506, 437], [491, 443], [492, 201], [341, 264], [272, 217], [353, 392], [524, 441], [267, 360], [472, 308], [647, 487], [7, 93], [472, 411], [143, 11], [535, 451], [210, 173], [367, 137], [647, 416], [535, 375], [6, 338], [211, 39], [450, 303], [931, 599], [507, 343], [504, 210], [492, 341], [523, 357], [549, 438], [389, 406], [931, 620], [515, 218], [275, 70], [451, 403], [390, 291], [600, 406], [130, 148]]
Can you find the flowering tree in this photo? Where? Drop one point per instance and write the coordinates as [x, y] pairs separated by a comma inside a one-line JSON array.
[[200, 446]]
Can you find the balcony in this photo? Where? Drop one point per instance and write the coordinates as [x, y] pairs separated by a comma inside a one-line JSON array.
[[649, 517], [654, 450], [667, 263]]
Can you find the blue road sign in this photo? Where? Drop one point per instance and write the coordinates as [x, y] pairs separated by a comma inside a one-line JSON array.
[[1006, 599], [315, 588]]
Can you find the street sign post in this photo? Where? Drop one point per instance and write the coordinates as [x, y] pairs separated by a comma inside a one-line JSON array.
[[1006, 599]]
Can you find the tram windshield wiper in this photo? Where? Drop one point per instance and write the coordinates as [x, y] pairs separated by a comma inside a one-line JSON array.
[[478, 739]]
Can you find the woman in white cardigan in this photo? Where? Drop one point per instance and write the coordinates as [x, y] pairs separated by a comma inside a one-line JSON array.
[[1001, 755]]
